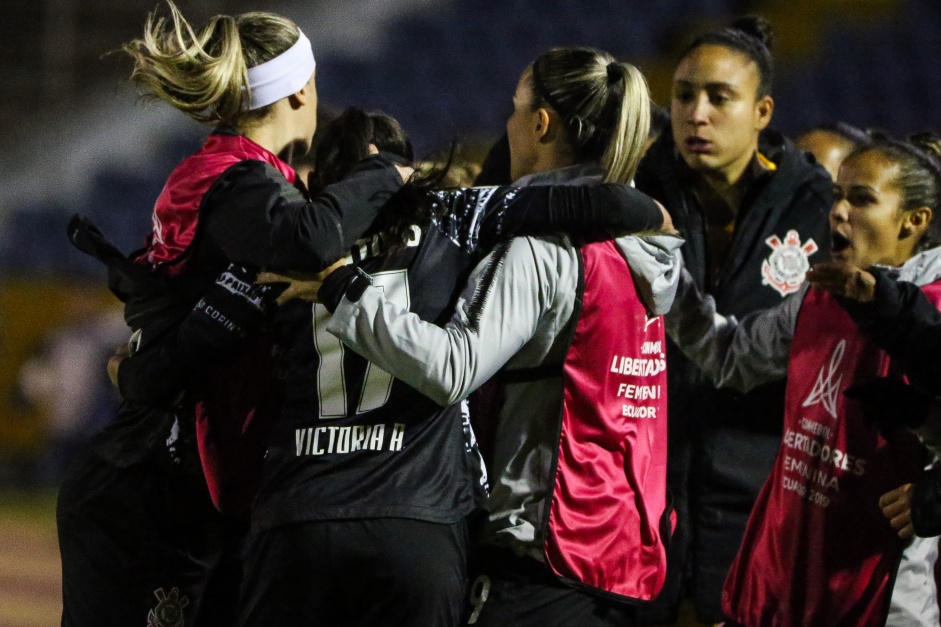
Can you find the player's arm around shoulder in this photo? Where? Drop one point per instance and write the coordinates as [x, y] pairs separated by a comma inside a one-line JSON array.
[[496, 314]]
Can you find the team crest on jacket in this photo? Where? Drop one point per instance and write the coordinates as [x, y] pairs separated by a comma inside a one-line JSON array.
[[169, 610], [826, 390], [786, 266]]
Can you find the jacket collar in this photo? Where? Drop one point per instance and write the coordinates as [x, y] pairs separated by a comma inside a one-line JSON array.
[[922, 269], [578, 174]]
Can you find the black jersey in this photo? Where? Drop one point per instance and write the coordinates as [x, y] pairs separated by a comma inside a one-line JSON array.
[[351, 441], [338, 411]]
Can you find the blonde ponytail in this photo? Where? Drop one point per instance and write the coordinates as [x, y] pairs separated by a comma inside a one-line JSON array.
[[205, 73], [605, 106], [626, 147]]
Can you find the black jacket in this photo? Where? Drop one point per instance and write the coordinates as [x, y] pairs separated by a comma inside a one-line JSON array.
[[723, 442], [904, 323], [796, 196]]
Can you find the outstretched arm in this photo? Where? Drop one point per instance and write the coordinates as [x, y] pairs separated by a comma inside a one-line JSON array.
[[738, 354]]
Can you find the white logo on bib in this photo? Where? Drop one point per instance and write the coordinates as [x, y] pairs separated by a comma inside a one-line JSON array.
[[785, 267], [826, 391]]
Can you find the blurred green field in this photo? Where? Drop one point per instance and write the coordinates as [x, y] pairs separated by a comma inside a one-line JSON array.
[[30, 586]]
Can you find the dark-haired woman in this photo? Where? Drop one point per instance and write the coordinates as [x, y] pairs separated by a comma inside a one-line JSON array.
[[831, 142], [753, 211], [817, 550], [577, 518]]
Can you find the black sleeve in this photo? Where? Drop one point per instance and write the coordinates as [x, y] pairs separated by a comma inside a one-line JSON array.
[[590, 212], [889, 403], [258, 219], [486, 216], [926, 504], [904, 323], [180, 358]]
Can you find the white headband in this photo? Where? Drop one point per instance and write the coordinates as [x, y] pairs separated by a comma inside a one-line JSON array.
[[283, 75]]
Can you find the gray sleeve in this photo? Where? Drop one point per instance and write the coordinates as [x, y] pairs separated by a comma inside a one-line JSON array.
[[497, 313], [740, 355]]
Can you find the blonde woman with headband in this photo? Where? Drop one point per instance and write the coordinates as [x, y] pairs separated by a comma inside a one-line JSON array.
[[139, 537], [577, 517]]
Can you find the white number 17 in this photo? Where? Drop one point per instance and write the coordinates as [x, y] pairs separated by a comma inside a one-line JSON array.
[[331, 379]]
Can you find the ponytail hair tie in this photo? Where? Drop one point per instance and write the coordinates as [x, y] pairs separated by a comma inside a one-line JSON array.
[[615, 72]]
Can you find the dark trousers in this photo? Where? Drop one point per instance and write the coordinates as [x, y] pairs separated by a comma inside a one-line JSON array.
[[348, 573], [715, 478], [511, 591], [142, 545]]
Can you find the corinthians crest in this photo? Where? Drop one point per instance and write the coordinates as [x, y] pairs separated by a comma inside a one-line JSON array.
[[169, 610], [785, 267]]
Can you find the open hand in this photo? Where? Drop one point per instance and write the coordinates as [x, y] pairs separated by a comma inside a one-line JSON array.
[[304, 288]]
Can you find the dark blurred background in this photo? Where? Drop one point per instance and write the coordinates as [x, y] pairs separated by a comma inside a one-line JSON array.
[[74, 137]]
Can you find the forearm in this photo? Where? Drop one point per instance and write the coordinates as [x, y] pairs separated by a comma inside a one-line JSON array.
[[324, 230], [180, 358], [740, 355], [483, 217], [256, 219], [590, 212], [441, 363], [496, 315]]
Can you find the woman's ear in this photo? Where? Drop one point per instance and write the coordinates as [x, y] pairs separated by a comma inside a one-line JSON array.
[[916, 222], [543, 124], [299, 98], [764, 109], [549, 126]]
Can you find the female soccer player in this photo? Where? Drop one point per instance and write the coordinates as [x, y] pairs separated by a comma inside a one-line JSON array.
[[366, 483], [577, 517], [139, 538], [817, 549], [753, 211]]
